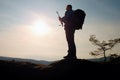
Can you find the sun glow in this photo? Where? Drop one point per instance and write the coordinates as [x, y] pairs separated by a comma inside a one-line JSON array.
[[40, 27]]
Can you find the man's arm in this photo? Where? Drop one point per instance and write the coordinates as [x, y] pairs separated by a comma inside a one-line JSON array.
[[67, 16]]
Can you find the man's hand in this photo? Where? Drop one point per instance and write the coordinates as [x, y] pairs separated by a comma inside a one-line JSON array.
[[60, 18]]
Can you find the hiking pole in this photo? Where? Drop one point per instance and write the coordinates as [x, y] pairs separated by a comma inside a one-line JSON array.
[[59, 16]]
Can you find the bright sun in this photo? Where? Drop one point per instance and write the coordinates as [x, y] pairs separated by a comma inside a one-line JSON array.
[[40, 28]]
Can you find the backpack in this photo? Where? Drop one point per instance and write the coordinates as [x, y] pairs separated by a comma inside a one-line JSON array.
[[78, 19]]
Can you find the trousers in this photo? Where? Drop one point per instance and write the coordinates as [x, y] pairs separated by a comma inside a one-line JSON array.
[[69, 31]]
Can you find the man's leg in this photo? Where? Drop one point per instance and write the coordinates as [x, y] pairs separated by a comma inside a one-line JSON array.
[[71, 43]]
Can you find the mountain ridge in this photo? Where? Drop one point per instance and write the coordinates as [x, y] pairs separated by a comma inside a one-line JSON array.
[[25, 60]]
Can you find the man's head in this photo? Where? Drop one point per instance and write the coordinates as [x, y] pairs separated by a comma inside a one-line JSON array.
[[69, 7]]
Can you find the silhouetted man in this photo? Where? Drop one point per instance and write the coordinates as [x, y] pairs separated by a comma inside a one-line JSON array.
[[69, 31]]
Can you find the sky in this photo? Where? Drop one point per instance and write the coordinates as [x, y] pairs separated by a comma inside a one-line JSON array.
[[31, 29]]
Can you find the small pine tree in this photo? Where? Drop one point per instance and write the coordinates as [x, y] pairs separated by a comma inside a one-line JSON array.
[[103, 46]]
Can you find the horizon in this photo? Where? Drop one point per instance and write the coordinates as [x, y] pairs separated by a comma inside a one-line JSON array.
[[30, 28], [25, 59]]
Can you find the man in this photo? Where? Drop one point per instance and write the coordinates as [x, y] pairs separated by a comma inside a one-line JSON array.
[[69, 31]]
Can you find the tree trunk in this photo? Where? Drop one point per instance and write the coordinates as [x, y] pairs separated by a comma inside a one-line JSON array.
[[104, 56]]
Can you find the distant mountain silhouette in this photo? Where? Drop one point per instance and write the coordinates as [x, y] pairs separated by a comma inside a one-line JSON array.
[[25, 60], [64, 69], [99, 59]]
